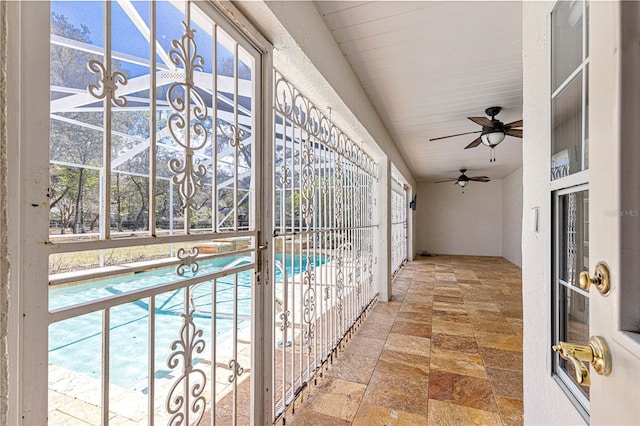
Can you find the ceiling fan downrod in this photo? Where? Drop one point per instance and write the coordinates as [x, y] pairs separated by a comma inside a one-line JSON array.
[[493, 111]]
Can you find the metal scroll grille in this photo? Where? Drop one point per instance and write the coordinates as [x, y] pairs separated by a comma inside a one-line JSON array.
[[323, 252], [398, 225], [152, 214]]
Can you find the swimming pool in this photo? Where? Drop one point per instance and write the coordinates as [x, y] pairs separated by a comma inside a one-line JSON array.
[[75, 344]]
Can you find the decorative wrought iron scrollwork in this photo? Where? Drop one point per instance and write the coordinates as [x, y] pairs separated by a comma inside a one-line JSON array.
[[358, 272], [325, 186], [337, 204], [339, 283], [370, 247], [340, 224], [185, 397], [295, 107], [284, 176], [370, 266], [284, 97], [308, 183], [284, 316], [233, 134], [108, 84], [236, 370], [188, 260], [309, 304], [301, 110], [356, 205], [187, 122], [572, 245]]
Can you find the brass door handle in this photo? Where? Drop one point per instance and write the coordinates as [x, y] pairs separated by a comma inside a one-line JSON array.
[[597, 353], [600, 279]]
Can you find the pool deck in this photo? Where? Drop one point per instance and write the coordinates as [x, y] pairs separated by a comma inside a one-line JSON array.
[[75, 399]]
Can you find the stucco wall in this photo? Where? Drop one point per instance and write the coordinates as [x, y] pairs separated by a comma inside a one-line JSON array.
[[544, 402], [512, 217], [452, 222]]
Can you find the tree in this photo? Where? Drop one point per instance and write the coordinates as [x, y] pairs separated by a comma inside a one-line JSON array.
[[70, 143], [75, 186]]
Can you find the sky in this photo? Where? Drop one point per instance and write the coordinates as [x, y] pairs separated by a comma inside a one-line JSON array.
[[126, 38]]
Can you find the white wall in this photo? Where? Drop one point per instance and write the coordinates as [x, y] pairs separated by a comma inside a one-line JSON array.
[[512, 217], [451, 222], [544, 402]]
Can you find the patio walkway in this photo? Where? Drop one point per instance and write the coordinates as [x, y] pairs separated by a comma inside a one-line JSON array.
[[446, 350]]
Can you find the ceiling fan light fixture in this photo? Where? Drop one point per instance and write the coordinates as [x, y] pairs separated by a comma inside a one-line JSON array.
[[492, 138], [463, 180]]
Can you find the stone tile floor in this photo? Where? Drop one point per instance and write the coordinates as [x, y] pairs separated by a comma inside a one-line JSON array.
[[446, 350]]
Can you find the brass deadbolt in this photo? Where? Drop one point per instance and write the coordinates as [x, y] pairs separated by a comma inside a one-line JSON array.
[[600, 279]]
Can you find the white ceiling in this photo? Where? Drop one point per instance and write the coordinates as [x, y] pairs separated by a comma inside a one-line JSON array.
[[428, 65]]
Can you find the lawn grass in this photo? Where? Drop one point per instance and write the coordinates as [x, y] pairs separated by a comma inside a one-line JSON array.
[[74, 261]]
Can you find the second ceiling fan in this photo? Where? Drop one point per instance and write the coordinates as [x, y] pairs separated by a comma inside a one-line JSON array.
[[463, 179], [493, 130]]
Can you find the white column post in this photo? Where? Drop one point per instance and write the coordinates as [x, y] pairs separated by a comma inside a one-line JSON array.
[[382, 234], [27, 214]]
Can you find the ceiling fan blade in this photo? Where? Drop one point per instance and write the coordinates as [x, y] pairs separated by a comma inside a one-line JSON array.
[[480, 178], [473, 144], [483, 121], [514, 124], [448, 180], [452, 136], [516, 133]]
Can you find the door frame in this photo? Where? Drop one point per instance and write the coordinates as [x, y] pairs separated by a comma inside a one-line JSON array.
[[613, 121]]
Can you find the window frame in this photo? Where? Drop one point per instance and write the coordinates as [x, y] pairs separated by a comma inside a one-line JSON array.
[[571, 183]]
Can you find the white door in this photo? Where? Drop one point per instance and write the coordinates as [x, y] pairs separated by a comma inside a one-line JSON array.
[[614, 124]]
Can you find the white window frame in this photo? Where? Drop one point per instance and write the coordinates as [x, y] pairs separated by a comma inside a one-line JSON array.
[[578, 181]]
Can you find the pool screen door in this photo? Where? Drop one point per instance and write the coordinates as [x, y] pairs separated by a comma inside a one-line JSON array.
[[153, 225]]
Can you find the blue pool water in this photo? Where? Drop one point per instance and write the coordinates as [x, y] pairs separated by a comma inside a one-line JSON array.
[[75, 344]]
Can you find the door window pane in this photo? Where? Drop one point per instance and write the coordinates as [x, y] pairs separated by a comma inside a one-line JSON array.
[[574, 328], [566, 130], [571, 245], [569, 101], [573, 236], [566, 35]]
